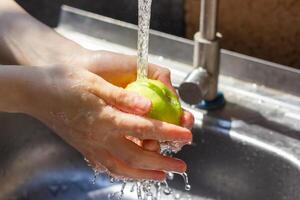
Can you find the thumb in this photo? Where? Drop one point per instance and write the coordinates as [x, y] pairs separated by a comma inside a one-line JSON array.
[[124, 100]]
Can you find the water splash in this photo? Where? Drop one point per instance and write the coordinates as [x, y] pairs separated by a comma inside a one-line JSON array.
[[94, 179], [132, 188], [139, 191], [118, 195], [122, 190], [167, 190], [145, 189], [185, 177], [157, 190]]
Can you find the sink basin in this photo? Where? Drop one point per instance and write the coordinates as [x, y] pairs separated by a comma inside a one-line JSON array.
[[37, 165], [249, 150]]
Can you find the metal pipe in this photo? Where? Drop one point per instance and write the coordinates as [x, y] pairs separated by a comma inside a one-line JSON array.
[[208, 19]]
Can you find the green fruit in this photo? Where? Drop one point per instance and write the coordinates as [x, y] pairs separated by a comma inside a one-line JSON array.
[[165, 104]]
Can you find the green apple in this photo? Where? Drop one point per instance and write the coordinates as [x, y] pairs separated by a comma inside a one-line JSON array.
[[165, 104]]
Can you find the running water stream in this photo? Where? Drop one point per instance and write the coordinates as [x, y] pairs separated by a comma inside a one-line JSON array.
[[144, 15]]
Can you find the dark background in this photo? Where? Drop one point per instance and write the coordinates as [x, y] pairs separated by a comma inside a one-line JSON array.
[[167, 15], [267, 29]]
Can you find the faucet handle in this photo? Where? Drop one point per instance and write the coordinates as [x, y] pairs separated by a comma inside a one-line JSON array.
[[195, 86]]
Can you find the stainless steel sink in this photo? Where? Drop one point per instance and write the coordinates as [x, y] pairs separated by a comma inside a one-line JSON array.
[[36, 165], [249, 150]]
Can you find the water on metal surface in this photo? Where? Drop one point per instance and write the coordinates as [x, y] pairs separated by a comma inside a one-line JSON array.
[[245, 151], [145, 189], [35, 164]]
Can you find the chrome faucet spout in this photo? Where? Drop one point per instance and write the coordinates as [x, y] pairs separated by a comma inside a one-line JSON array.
[[202, 82]]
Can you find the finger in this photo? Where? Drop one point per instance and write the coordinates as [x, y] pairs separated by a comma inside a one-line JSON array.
[[118, 97], [136, 157], [115, 68], [124, 68], [120, 169], [151, 145], [187, 120], [145, 128], [124, 170], [162, 74]]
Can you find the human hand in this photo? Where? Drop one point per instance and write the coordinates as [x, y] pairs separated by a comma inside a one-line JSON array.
[[80, 106], [84, 109], [120, 70]]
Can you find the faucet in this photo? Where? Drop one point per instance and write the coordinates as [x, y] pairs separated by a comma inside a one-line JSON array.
[[201, 85]]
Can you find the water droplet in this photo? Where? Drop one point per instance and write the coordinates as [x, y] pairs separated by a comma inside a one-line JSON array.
[[187, 187], [112, 180], [88, 162], [147, 189], [143, 187], [157, 190], [123, 187], [112, 195], [139, 191], [177, 196], [132, 188], [54, 189], [186, 181], [167, 190], [94, 179], [170, 175], [121, 193]]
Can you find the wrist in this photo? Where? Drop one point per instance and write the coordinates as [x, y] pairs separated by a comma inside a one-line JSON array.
[[15, 85], [61, 51]]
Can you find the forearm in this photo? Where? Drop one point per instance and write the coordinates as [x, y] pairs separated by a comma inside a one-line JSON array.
[[26, 41], [16, 86]]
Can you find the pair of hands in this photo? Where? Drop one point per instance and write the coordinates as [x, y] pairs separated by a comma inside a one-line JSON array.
[[81, 97], [84, 102]]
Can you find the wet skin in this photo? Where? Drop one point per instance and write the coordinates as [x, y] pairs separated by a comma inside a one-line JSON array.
[[79, 94]]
